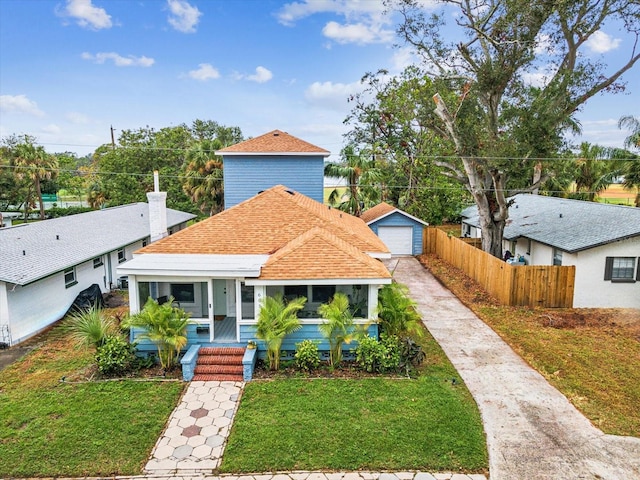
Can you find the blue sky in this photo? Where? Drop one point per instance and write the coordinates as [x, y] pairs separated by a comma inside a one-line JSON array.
[[69, 69]]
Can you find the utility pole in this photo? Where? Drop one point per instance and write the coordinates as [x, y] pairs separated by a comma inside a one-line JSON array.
[[113, 141]]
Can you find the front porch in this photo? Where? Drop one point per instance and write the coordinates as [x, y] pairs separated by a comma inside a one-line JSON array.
[[224, 311]]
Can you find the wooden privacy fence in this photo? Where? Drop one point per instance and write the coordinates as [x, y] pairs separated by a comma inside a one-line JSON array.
[[529, 285]]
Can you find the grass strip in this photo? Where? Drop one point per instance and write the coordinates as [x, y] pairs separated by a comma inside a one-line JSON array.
[[427, 423]]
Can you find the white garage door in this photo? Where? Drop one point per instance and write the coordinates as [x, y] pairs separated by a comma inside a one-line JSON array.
[[397, 239]]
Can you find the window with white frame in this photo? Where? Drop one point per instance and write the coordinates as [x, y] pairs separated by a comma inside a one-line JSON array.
[[70, 277], [557, 257], [622, 269], [97, 262], [121, 255]]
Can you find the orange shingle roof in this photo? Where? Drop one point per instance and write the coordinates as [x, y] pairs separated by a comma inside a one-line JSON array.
[[274, 142], [318, 254], [265, 223], [376, 212]]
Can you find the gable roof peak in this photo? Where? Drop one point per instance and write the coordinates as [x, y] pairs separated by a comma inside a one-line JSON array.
[[275, 142]]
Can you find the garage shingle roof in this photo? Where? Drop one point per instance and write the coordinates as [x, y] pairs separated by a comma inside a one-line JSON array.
[[569, 225], [29, 252]]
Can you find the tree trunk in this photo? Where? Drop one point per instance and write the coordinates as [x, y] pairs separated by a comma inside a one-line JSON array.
[[537, 176], [39, 194]]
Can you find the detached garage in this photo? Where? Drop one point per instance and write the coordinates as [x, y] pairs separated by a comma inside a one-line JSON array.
[[401, 232]]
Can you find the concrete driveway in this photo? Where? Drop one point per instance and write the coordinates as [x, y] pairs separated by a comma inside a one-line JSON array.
[[533, 432]]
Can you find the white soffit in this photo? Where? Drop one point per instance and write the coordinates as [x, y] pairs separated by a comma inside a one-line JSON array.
[[193, 265]]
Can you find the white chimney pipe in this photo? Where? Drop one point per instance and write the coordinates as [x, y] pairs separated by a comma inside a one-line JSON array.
[[157, 210]]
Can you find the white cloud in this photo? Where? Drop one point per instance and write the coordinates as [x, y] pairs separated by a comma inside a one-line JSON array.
[[88, 15], [602, 132], [52, 128], [262, 75], [204, 72], [402, 58], [19, 104], [544, 44], [600, 42], [292, 12], [535, 79], [77, 118], [183, 17], [332, 95], [119, 60], [357, 33], [365, 21]]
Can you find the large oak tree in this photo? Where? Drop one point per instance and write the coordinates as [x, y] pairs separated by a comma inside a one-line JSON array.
[[488, 107]]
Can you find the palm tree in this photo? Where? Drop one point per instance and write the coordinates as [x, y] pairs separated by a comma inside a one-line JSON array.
[[337, 326], [593, 174], [35, 163], [90, 327], [632, 168], [361, 174], [276, 320], [203, 176], [96, 196], [164, 325], [398, 312], [633, 124]]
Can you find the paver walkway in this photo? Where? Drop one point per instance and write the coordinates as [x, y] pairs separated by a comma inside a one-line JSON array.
[[195, 436], [533, 431]]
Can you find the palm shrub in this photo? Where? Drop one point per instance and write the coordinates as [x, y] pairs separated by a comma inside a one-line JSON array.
[[90, 327], [164, 325], [276, 320], [399, 318], [337, 326], [398, 313]]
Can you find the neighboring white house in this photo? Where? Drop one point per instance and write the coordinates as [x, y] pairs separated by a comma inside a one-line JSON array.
[[602, 241], [44, 265]]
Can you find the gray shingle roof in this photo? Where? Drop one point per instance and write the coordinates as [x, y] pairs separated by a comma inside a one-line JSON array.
[[53, 245], [570, 225]]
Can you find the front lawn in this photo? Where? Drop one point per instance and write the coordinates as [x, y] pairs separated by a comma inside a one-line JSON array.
[[54, 423], [54, 428], [374, 424]]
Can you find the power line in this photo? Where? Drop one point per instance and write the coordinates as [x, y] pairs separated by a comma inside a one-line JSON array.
[[417, 157]]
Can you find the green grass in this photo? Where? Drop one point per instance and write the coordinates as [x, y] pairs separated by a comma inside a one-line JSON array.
[[51, 428], [429, 423]]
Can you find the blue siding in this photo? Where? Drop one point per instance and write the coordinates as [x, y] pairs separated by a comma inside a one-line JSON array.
[[247, 332], [307, 332], [397, 219], [245, 176]]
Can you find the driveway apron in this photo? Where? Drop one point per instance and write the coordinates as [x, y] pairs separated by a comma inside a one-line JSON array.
[[533, 431]]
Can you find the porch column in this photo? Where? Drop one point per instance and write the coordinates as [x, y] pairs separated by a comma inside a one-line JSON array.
[[259, 293], [372, 303], [210, 307], [238, 288], [134, 295]]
